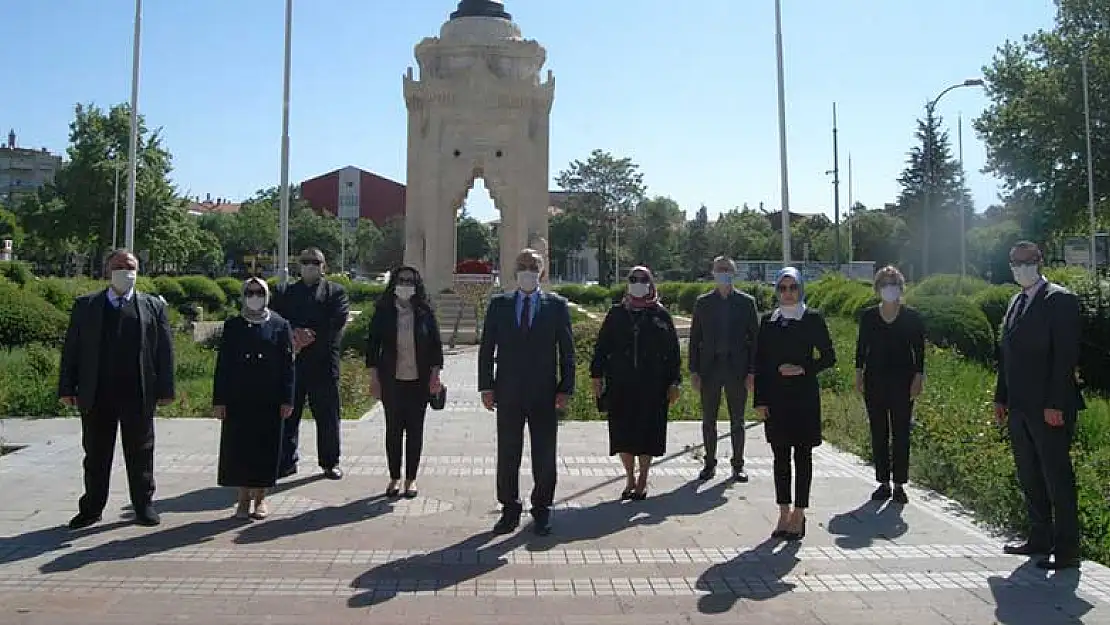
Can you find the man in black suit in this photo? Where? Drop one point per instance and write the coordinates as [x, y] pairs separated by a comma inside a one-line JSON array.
[[723, 337], [117, 366], [317, 309], [1038, 396], [527, 333]]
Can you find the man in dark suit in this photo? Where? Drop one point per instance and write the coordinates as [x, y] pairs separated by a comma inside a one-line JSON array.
[[1037, 394], [527, 333], [117, 366], [317, 309], [723, 337]]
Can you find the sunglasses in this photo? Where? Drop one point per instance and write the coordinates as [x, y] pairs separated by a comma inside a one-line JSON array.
[[255, 293], [406, 282], [788, 288], [310, 261], [639, 279]]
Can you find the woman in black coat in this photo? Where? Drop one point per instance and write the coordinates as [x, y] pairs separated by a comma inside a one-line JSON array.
[[252, 395], [636, 372], [788, 396], [405, 355]]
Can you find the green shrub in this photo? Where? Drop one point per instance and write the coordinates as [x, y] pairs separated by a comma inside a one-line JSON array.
[[947, 284], [17, 271], [993, 301], [763, 294], [62, 292], [28, 382], [357, 332], [670, 293], [1094, 353], [171, 290], [26, 318], [232, 288], [953, 321], [365, 293], [203, 291], [690, 294], [1074, 278], [340, 278], [573, 292]]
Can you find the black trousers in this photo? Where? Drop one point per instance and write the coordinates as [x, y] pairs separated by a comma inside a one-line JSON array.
[[890, 412], [543, 426], [405, 406], [1047, 478], [736, 393], [322, 395], [802, 468], [98, 437]]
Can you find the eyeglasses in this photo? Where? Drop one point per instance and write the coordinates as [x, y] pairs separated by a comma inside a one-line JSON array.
[[639, 279], [1024, 263], [406, 282], [788, 288]]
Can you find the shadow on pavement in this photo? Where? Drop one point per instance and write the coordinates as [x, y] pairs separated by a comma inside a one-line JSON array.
[[1028, 595], [38, 542], [755, 574], [315, 520], [871, 522]]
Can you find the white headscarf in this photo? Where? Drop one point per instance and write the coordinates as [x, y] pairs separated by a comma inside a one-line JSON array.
[[795, 312], [256, 316]]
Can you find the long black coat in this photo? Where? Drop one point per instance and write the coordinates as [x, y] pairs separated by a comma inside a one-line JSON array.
[[637, 357], [793, 403], [254, 377]]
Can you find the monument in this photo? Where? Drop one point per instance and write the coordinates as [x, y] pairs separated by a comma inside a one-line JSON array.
[[477, 110]]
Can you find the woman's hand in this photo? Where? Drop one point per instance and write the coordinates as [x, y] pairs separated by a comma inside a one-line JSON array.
[[673, 393], [286, 411], [790, 371], [762, 412], [219, 412], [435, 385]]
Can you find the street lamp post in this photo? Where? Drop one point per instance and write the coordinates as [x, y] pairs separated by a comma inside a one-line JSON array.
[[929, 166], [1090, 161], [133, 145], [783, 169]]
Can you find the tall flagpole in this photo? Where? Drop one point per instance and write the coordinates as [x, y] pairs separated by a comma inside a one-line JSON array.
[[133, 146], [851, 212], [1090, 161], [283, 240], [783, 169]]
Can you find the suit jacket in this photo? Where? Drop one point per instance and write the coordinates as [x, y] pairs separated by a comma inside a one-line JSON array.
[[532, 366], [1038, 354], [324, 309], [743, 323], [80, 364], [381, 347]]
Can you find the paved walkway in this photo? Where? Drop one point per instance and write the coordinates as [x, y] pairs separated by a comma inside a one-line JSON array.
[[337, 552]]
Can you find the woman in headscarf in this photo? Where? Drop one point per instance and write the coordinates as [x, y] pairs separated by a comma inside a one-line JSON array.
[[253, 394], [788, 396], [405, 355], [636, 372]]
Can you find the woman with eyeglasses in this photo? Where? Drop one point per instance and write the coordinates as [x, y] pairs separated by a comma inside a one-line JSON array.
[[636, 372], [252, 395], [890, 373], [794, 346], [405, 355]]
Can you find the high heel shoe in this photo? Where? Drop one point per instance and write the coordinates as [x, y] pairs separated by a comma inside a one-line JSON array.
[[799, 534], [243, 509], [261, 510], [392, 490]]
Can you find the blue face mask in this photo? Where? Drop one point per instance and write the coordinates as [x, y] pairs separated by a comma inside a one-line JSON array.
[[722, 278]]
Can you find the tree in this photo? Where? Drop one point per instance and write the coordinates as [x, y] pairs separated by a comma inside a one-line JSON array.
[[474, 238], [569, 233], [605, 192], [390, 251], [10, 228], [696, 254], [742, 234], [654, 233], [366, 241], [877, 236], [932, 174], [1034, 128]]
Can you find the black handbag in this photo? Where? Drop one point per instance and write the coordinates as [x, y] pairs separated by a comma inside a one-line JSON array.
[[438, 400]]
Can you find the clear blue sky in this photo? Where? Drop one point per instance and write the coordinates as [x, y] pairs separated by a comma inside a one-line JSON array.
[[687, 89]]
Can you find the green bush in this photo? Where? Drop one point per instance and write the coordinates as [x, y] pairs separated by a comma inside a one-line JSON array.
[[834, 294], [171, 290], [17, 271], [1094, 353], [1074, 278], [993, 301], [203, 291], [356, 333], [62, 292], [953, 321], [26, 318], [763, 294], [232, 288], [947, 284], [28, 382], [364, 292], [691, 291]]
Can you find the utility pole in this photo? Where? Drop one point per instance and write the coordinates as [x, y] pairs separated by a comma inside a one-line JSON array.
[[1090, 162], [851, 213], [963, 209], [836, 190]]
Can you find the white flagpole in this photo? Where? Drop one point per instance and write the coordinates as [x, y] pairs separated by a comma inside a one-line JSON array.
[[133, 146], [283, 240]]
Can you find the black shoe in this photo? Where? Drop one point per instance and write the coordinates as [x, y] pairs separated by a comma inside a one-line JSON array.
[[410, 493], [796, 536], [900, 495], [1059, 564], [1026, 549], [334, 473], [147, 516], [740, 476], [541, 524], [508, 523], [82, 520], [708, 472], [639, 495], [882, 493], [627, 494]]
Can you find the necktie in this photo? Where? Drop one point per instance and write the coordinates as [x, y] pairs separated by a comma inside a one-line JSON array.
[[1019, 307], [526, 312]]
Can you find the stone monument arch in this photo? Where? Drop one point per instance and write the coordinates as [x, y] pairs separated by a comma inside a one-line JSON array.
[[477, 110]]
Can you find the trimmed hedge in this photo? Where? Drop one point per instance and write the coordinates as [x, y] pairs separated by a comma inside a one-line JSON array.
[[203, 291], [676, 296], [994, 300], [948, 284], [356, 333], [26, 318], [956, 322]]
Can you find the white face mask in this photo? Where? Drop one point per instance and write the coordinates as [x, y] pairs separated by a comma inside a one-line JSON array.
[[527, 280], [255, 303], [404, 292], [123, 280], [890, 293], [310, 273], [639, 289], [1026, 275]]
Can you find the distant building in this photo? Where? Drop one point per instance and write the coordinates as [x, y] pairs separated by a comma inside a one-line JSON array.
[[379, 199], [580, 265], [24, 170], [196, 207]]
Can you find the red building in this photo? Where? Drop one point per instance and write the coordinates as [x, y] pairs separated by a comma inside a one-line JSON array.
[[378, 199]]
